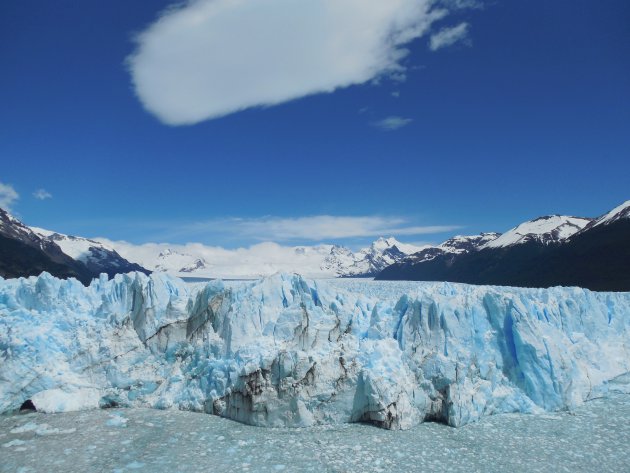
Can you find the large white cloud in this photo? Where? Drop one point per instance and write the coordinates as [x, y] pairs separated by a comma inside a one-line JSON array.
[[209, 58]]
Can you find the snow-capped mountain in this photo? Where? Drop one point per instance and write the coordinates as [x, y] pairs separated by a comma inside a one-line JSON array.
[[545, 230], [11, 227], [622, 212], [457, 245], [371, 260], [548, 251], [170, 260], [23, 252], [338, 260], [28, 251], [264, 259], [96, 256]]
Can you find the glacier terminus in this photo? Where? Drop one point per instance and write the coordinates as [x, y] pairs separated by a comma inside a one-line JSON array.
[[285, 351]]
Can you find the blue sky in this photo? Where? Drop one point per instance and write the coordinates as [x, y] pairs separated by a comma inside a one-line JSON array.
[[527, 113]]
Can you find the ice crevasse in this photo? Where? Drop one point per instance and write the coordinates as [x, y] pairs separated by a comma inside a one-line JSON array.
[[285, 351]]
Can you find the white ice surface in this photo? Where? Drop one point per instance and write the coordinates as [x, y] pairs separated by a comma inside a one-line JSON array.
[[285, 351]]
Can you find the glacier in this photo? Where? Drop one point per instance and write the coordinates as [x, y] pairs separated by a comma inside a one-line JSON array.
[[285, 351]]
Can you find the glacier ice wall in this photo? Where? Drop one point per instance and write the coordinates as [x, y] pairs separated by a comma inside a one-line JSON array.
[[284, 351]]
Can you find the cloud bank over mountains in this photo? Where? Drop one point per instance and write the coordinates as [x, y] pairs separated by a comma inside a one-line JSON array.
[[300, 230], [204, 59]]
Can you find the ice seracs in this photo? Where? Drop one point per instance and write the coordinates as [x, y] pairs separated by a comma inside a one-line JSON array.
[[287, 351]]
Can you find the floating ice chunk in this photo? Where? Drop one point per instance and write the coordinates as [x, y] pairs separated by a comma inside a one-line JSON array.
[[134, 465], [60, 400], [28, 427], [117, 420], [14, 443]]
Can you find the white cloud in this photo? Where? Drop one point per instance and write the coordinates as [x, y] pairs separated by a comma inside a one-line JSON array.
[[279, 229], [8, 196], [449, 36], [42, 194], [204, 59], [463, 4], [323, 227], [392, 123]]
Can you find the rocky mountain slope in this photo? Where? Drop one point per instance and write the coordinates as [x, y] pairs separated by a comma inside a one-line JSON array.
[[26, 251], [97, 257], [452, 248]]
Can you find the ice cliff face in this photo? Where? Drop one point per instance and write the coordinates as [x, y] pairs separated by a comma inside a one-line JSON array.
[[284, 351]]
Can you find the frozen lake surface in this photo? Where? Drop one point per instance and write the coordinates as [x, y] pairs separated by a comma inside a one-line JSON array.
[[595, 437]]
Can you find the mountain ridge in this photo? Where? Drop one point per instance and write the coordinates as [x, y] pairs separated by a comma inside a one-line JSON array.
[[29, 251], [264, 259], [595, 256]]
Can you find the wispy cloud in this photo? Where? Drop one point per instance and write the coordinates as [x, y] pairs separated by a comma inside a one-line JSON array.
[[392, 123], [8, 196], [463, 4], [312, 228], [204, 59], [449, 36], [42, 194]]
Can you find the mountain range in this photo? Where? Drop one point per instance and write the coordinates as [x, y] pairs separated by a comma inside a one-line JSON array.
[[26, 251], [319, 261], [548, 251]]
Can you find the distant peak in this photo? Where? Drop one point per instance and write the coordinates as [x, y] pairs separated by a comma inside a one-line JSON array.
[[546, 229], [620, 212], [546, 217], [383, 243]]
